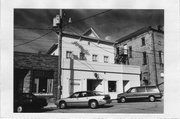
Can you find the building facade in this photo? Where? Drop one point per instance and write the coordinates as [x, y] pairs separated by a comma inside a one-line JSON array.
[[88, 64], [144, 48]]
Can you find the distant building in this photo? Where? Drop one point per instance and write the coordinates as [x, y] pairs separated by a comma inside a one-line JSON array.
[[88, 64], [144, 48]]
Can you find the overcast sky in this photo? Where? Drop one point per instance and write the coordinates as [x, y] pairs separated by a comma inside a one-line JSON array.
[[110, 25]]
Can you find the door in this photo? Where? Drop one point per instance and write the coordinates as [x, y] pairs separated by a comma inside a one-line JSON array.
[[131, 93]]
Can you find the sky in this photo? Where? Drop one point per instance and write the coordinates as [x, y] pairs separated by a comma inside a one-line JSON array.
[[30, 24]]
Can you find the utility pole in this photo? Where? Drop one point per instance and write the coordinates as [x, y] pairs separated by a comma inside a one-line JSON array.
[[57, 26], [154, 53]]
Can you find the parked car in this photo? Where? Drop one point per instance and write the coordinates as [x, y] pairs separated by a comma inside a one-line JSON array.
[[144, 92], [26, 101], [93, 99]]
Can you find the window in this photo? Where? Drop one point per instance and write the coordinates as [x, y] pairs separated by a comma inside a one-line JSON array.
[[160, 57], [133, 90], [143, 41], [112, 86], [130, 51], [94, 58], [42, 82], [144, 58], [106, 59], [82, 56], [68, 54], [140, 89], [125, 49], [117, 50]]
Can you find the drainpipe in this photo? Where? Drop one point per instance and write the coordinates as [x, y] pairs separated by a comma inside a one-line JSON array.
[[154, 53]]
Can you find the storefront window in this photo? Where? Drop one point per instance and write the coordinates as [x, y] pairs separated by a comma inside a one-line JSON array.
[[43, 82], [112, 86]]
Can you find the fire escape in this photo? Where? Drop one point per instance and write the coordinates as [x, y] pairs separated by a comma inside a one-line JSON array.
[[121, 56]]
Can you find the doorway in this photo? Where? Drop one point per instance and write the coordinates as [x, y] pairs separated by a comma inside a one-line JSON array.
[[94, 84]]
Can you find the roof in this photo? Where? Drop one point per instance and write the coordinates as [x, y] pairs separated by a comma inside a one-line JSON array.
[[85, 38], [91, 31], [138, 32]]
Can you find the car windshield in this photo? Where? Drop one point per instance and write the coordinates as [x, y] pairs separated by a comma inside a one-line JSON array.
[[98, 92]]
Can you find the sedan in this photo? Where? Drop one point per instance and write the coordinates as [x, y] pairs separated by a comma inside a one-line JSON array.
[[25, 101], [93, 99]]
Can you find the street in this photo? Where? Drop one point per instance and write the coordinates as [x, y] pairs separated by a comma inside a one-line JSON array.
[[114, 107]]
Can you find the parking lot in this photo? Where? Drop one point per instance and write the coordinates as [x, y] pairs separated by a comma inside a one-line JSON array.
[[114, 107]]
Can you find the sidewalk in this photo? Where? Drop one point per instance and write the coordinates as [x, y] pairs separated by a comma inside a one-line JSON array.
[[51, 105]]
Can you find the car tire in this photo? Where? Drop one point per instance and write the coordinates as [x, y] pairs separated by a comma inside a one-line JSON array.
[[151, 98], [19, 109], [62, 105], [122, 99], [93, 104]]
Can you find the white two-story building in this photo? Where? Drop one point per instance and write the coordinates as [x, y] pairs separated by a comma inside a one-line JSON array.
[[88, 64]]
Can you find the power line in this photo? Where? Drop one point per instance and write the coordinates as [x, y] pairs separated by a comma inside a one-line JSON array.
[[32, 40], [33, 28], [83, 19]]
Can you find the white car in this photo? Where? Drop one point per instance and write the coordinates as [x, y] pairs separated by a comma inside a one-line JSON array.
[[84, 98]]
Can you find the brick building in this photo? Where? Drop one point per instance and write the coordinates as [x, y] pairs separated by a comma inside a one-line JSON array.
[[144, 48], [35, 73]]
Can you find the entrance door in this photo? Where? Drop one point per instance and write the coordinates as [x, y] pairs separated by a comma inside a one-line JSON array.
[[126, 85], [93, 84]]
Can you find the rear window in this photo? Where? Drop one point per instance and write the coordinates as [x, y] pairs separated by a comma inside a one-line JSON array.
[[152, 89]]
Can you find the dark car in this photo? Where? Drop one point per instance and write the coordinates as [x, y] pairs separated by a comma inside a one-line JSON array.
[[144, 92], [93, 99], [28, 101]]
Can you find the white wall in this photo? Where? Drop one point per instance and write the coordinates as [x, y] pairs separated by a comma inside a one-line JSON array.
[[110, 72], [93, 48]]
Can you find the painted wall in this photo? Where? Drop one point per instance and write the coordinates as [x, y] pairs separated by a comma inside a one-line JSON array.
[[90, 48], [75, 79]]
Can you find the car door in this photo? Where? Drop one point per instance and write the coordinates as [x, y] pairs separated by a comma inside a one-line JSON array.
[[141, 93], [131, 93], [82, 99], [73, 100]]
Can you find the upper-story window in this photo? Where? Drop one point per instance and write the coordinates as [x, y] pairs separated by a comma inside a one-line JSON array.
[[82, 56], [68, 54], [143, 41], [130, 51], [144, 58], [117, 50], [161, 58], [94, 58], [106, 59]]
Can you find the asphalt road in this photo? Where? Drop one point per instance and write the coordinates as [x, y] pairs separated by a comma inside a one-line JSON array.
[[129, 107]]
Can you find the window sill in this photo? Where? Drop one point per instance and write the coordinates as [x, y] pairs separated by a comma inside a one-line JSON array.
[[43, 94]]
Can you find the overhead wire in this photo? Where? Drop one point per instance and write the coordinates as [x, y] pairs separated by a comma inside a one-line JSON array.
[[33, 39]]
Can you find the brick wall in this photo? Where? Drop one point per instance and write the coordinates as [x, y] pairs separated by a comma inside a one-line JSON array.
[[32, 61]]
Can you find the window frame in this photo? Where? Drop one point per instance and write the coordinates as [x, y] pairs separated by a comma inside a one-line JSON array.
[[69, 57], [106, 57], [144, 58], [143, 42], [96, 58]]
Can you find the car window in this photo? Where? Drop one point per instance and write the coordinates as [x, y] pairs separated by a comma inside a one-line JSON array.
[[90, 94], [133, 90], [82, 94], [75, 95], [152, 89], [140, 89]]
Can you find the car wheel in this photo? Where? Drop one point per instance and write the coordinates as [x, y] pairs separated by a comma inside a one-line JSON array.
[[19, 109], [62, 105], [93, 104], [151, 98], [123, 99]]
